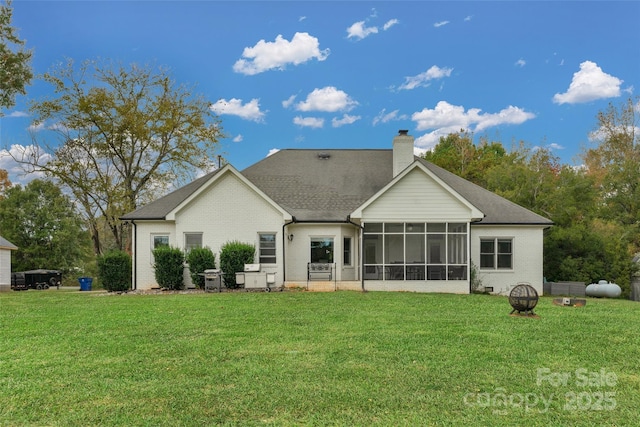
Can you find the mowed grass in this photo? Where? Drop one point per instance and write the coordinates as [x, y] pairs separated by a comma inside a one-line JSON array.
[[298, 358]]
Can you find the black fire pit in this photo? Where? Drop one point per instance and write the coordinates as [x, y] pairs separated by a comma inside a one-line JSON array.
[[523, 298]]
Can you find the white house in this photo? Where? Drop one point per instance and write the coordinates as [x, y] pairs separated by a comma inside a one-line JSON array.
[[377, 219], [5, 263]]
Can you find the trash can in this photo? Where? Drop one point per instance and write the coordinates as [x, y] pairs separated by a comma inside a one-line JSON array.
[[85, 283]]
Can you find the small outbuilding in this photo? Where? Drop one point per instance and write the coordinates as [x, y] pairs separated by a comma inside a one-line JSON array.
[[5, 263]]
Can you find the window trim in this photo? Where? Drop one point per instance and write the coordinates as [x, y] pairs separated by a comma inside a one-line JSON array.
[[323, 238], [496, 253], [192, 233], [347, 251], [261, 248], [152, 246]]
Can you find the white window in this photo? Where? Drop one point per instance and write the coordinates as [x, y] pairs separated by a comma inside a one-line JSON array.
[[267, 248], [346, 251], [192, 241], [496, 253], [158, 241], [322, 249]]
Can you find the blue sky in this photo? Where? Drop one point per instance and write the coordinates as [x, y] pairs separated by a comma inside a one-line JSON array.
[[312, 74]]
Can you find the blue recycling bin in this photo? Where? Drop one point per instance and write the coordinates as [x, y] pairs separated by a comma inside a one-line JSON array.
[[85, 283]]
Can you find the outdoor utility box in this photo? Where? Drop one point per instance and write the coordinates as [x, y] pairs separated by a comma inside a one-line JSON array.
[[212, 280], [253, 277]]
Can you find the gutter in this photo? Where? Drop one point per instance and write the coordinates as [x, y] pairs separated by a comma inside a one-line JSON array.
[[361, 240], [134, 244], [284, 245]]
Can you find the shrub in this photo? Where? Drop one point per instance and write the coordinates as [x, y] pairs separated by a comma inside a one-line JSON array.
[[199, 260], [476, 280], [233, 256], [114, 271], [169, 267]]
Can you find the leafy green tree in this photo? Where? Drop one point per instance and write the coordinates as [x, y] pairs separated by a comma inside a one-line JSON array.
[[43, 224], [125, 135], [457, 153], [613, 165], [5, 183], [527, 177], [15, 61]]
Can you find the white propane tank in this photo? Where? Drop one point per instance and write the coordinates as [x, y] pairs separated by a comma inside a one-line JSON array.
[[603, 289]]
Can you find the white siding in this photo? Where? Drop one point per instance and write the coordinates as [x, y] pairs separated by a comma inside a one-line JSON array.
[[417, 197], [527, 257], [145, 274], [5, 269], [440, 286], [227, 210], [298, 250]]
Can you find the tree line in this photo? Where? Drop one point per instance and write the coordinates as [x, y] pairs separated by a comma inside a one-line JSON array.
[[595, 207]]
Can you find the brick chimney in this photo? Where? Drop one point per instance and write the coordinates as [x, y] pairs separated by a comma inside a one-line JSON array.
[[402, 151]]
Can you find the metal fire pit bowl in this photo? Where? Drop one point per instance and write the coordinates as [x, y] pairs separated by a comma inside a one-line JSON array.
[[523, 298]]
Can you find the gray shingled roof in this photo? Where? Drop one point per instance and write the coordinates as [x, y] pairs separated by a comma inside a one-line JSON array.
[[4, 243], [327, 185]]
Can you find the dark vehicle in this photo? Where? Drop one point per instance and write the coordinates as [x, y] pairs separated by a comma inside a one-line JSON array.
[[18, 283], [36, 279]]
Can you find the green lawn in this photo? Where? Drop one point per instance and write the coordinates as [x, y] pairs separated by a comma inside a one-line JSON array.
[[292, 358]]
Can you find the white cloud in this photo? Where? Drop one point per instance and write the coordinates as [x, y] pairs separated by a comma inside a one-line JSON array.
[[424, 79], [272, 151], [238, 138], [384, 117], [359, 31], [446, 118], [329, 99], [265, 56], [234, 107], [589, 84], [440, 24], [36, 127], [40, 126], [18, 173], [468, 18], [345, 120], [428, 141], [507, 116], [309, 122], [289, 101], [390, 23], [14, 114], [520, 63], [555, 146], [601, 134]]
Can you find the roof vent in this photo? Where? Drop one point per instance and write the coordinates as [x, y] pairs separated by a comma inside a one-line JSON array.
[[403, 132], [323, 156]]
